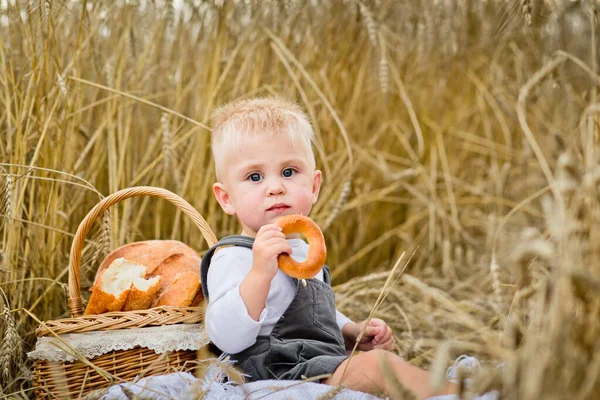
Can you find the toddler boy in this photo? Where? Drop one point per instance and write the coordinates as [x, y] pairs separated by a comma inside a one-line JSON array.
[[274, 327]]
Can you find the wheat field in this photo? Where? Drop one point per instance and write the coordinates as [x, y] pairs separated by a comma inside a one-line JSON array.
[[462, 133]]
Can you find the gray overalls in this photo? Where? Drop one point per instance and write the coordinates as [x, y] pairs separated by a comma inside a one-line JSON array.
[[305, 342]]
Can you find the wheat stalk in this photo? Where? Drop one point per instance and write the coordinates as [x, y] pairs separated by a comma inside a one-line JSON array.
[[10, 348], [46, 13], [526, 8], [7, 198], [62, 86], [496, 285], [104, 244], [446, 257], [384, 68], [166, 142], [339, 204], [109, 73], [558, 59], [369, 22]]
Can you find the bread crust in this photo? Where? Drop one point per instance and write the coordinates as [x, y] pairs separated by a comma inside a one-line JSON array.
[[101, 301], [174, 264], [181, 291], [317, 252], [139, 299]]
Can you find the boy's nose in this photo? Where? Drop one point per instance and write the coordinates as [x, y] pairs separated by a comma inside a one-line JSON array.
[[276, 187]]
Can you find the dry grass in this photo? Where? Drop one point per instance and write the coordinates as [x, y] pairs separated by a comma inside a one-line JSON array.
[[465, 132]]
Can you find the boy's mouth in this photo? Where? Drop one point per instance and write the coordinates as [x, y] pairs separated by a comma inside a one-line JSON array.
[[278, 207]]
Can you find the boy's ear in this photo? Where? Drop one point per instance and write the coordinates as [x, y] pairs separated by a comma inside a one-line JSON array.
[[223, 198], [316, 188]]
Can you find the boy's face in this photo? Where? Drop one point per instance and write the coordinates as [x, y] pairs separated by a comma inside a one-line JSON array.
[[266, 178]]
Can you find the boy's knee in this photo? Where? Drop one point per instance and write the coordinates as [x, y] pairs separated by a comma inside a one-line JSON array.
[[365, 373]]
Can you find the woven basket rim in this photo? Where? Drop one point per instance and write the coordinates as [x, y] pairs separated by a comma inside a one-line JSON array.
[[163, 315]]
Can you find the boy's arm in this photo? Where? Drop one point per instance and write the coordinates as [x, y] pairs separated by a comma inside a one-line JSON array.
[[238, 292], [341, 319], [254, 291], [346, 326], [268, 244], [349, 334], [228, 323]]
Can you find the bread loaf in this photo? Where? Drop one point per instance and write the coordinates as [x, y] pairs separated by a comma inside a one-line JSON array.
[[181, 292], [142, 294], [122, 286], [173, 265], [150, 253], [172, 269]]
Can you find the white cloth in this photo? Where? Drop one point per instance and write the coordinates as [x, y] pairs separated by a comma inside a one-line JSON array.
[[228, 324], [182, 385], [71, 346]]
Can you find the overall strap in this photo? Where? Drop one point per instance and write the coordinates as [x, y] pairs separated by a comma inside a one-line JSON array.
[[326, 275], [233, 240]]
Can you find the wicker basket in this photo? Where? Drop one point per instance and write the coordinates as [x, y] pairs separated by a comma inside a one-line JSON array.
[[74, 379]]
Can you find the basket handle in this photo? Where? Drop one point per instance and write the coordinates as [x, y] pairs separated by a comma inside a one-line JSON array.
[[75, 303]]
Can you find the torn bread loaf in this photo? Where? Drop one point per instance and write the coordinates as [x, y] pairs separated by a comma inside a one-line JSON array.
[[181, 291], [173, 265], [151, 253], [142, 294], [122, 286]]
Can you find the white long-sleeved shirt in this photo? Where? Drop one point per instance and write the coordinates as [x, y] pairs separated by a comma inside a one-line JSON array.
[[227, 322]]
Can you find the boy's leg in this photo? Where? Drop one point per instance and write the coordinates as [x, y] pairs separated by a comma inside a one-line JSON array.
[[364, 372]]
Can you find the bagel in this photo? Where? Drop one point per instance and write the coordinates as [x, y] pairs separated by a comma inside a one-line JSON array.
[[317, 252]]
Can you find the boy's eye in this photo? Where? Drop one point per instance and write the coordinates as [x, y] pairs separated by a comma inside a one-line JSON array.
[[288, 172], [254, 177]]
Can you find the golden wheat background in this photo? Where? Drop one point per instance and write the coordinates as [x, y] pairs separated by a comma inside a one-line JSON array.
[[464, 133]]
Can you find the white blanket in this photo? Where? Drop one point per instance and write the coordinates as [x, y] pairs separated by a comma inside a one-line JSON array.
[[182, 385]]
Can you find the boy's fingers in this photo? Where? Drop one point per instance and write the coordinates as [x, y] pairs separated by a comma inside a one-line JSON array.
[[389, 342], [387, 345], [268, 228], [269, 240], [376, 322], [371, 331], [286, 249], [279, 248], [277, 241], [384, 335], [270, 233], [274, 238], [383, 330]]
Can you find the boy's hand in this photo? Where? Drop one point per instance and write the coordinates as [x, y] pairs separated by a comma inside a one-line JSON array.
[[377, 335], [268, 244]]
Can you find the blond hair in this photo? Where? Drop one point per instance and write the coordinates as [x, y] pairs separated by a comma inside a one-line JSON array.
[[258, 116]]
